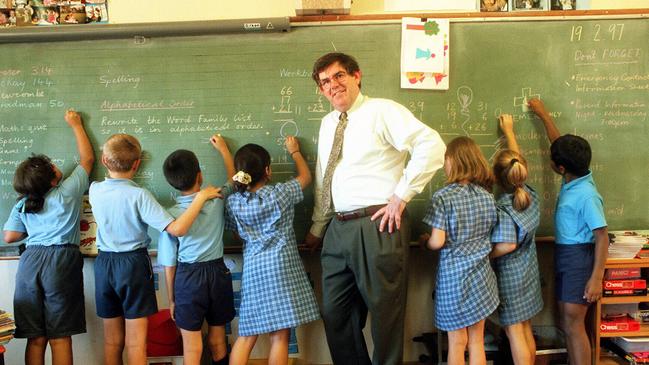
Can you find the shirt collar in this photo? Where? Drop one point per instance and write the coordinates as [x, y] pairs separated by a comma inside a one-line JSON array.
[[184, 199], [586, 179], [360, 99], [121, 181]]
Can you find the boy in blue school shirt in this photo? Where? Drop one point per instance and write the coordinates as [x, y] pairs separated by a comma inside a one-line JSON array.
[[124, 290], [199, 287], [580, 233]]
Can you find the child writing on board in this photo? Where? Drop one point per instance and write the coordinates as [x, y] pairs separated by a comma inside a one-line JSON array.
[[462, 215], [275, 291], [48, 300], [124, 291], [580, 233], [514, 249], [199, 285]]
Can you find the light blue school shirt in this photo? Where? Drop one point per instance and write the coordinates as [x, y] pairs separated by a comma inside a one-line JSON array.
[[123, 212], [579, 211], [58, 222], [204, 240]]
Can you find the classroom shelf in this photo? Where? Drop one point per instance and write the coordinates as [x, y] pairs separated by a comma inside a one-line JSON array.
[[597, 312], [625, 299]]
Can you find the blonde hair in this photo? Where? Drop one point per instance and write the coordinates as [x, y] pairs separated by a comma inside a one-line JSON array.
[[121, 151], [510, 169], [468, 163]]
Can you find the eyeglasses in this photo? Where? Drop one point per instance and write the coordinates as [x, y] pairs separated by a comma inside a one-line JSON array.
[[339, 77]]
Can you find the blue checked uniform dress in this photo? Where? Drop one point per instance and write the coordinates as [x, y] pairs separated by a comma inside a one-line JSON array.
[[466, 290], [519, 283], [275, 290]]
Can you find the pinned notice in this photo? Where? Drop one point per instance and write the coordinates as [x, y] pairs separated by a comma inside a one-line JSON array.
[[424, 53]]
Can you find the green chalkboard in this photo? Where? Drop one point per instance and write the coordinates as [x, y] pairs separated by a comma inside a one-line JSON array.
[[175, 92]]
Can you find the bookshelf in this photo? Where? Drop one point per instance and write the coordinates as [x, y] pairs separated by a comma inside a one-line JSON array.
[[597, 334]]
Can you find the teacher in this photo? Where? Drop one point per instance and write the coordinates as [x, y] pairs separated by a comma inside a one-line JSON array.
[[364, 180]]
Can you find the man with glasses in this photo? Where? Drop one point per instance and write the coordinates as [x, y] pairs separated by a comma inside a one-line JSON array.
[[363, 181]]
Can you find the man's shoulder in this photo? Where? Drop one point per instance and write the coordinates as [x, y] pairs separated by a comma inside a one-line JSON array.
[[381, 103]]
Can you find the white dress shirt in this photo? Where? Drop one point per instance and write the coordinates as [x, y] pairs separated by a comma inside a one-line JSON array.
[[379, 136]]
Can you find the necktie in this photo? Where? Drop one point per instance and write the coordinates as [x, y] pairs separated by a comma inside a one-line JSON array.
[[334, 157]]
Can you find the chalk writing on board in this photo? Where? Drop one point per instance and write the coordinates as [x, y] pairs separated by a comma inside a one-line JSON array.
[[128, 80], [110, 106]]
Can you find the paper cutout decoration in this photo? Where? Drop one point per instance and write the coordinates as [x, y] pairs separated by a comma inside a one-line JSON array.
[[425, 54]]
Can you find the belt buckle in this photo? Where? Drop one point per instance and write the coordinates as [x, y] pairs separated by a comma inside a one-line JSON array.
[[346, 216]]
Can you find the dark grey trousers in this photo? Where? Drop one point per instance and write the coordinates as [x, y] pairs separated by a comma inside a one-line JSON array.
[[364, 269]]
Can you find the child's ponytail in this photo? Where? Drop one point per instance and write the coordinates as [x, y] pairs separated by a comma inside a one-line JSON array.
[[252, 162], [33, 180], [241, 181], [510, 169]]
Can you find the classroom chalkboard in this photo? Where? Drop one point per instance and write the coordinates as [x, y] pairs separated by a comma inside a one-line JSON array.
[[174, 92]]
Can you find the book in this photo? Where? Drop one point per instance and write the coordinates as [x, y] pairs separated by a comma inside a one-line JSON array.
[[625, 292], [625, 284], [622, 274]]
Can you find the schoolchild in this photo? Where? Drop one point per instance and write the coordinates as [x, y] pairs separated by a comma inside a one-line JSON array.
[[514, 249], [581, 235], [124, 291], [275, 291], [48, 300], [199, 285], [462, 215]]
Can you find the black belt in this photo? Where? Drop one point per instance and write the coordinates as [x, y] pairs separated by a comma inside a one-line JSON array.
[[358, 213]]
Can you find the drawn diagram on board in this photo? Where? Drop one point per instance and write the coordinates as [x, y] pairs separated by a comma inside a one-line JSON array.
[[288, 125], [526, 95]]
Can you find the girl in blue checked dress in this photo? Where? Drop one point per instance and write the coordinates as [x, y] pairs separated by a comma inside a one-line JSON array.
[[514, 250], [48, 300], [275, 292], [462, 215]]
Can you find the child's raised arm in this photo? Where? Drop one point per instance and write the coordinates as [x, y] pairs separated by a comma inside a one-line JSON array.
[[182, 224], [538, 108], [220, 145], [506, 122], [86, 153], [303, 173]]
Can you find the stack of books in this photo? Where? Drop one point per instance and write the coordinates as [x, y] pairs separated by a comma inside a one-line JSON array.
[[627, 244], [7, 327], [634, 350], [623, 282]]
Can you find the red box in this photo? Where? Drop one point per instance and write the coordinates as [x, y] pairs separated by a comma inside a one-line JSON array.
[[625, 284], [624, 324], [617, 274]]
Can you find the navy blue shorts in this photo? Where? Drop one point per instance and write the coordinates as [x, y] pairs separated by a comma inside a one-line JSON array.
[[48, 300], [203, 291], [124, 285], [573, 266]]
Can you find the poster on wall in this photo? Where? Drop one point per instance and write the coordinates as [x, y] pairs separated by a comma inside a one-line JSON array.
[[425, 53], [24, 13]]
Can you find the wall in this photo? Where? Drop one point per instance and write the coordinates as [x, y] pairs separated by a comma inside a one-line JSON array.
[[144, 11]]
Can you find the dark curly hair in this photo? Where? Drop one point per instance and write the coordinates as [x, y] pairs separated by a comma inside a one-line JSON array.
[[33, 180]]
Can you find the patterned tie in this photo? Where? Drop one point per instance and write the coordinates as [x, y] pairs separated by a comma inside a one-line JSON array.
[[334, 157]]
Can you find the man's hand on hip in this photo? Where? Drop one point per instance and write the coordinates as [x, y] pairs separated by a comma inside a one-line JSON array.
[[391, 214]]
